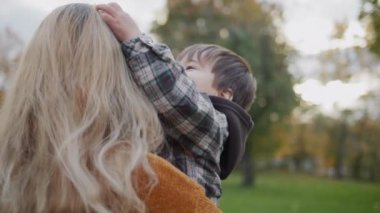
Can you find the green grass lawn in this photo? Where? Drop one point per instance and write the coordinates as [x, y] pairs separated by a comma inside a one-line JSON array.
[[283, 193]]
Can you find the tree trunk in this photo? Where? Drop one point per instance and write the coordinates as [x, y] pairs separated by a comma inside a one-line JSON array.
[[357, 166], [247, 164], [247, 167], [340, 154], [373, 167]]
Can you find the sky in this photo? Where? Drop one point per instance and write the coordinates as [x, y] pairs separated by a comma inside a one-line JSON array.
[[24, 16], [310, 23], [308, 26]]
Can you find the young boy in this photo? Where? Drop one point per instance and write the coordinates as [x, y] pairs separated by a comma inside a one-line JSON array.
[[205, 135], [225, 77]]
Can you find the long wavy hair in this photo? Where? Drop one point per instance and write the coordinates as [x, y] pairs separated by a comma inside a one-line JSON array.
[[74, 127]]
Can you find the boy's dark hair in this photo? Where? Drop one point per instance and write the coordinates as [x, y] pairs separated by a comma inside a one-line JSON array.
[[231, 71]]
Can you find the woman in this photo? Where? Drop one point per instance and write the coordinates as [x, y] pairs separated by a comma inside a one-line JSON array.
[[76, 131]]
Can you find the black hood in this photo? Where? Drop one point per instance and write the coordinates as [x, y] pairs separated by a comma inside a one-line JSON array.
[[239, 125]]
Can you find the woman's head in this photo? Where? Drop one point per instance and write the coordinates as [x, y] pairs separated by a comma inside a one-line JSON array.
[[74, 125]]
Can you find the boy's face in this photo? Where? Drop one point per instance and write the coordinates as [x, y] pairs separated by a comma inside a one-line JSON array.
[[201, 74]]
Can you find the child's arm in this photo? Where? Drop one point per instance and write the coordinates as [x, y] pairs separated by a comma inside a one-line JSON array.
[[187, 115]]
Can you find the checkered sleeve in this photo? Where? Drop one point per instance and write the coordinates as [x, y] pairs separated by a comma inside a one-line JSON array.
[[184, 112]]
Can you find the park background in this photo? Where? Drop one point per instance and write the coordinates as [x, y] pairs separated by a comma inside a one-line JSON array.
[[315, 146]]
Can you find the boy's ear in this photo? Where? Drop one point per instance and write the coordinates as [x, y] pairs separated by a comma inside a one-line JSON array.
[[226, 93]]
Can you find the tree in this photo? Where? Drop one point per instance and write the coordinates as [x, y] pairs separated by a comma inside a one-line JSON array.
[[247, 28], [370, 13], [365, 149], [349, 130]]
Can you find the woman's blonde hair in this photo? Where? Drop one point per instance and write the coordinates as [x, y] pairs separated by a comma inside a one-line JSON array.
[[74, 126]]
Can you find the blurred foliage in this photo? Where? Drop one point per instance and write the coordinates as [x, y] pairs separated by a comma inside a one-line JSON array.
[[344, 145], [341, 146], [338, 147], [370, 13], [247, 28], [364, 153]]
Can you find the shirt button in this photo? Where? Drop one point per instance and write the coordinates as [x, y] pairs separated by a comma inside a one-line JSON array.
[[147, 40]]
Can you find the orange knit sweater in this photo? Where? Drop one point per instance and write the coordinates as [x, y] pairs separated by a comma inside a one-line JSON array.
[[175, 191]]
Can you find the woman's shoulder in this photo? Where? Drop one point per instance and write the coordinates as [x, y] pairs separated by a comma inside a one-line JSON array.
[[175, 191]]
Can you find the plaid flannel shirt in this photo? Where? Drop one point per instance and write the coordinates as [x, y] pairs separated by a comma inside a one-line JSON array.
[[194, 130]]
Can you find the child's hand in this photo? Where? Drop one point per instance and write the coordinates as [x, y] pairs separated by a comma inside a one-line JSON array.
[[120, 22]]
